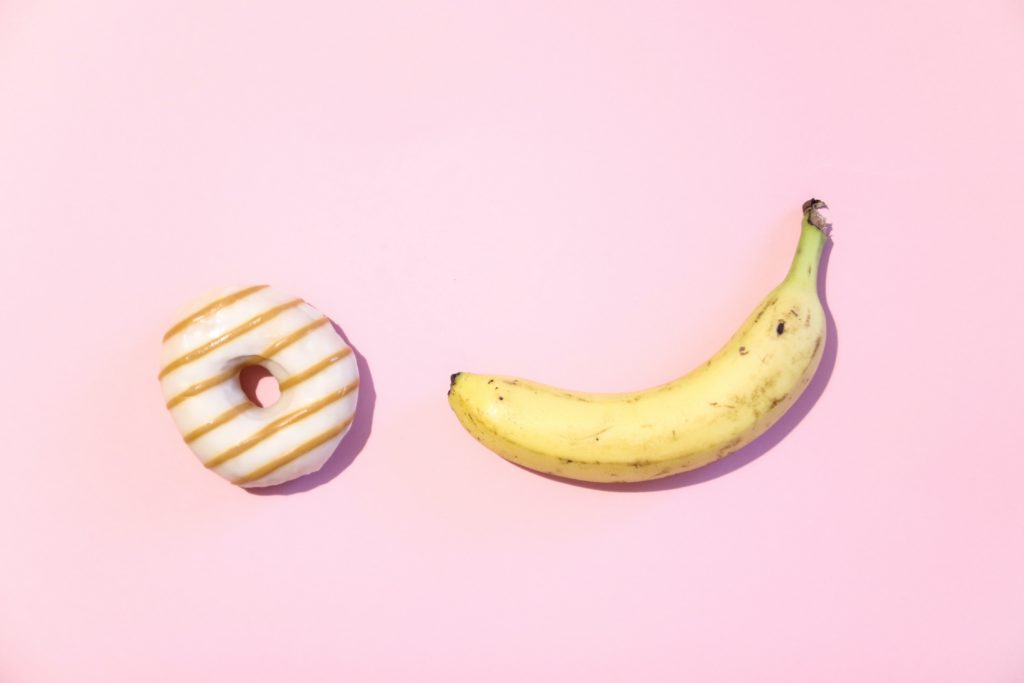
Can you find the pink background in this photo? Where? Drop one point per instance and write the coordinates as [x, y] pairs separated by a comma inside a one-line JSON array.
[[592, 194]]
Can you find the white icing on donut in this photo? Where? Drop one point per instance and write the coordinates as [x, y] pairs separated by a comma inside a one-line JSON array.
[[223, 332]]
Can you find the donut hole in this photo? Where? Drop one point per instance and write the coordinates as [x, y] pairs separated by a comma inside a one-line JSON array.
[[259, 385]]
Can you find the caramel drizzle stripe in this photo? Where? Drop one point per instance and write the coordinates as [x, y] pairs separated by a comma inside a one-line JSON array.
[[226, 416], [200, 387], [294, 454], [280, 423], [232, 413], [220, 303], [284, 342], [314, 370], [275, 348], [228, 336]]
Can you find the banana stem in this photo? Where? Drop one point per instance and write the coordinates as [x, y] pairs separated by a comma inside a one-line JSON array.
[[812, 241]]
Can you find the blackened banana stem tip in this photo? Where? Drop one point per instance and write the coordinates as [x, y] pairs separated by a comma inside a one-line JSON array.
[[812, 210], [451, 386]]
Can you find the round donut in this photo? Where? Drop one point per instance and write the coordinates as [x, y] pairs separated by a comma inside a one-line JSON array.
[[227, 330]]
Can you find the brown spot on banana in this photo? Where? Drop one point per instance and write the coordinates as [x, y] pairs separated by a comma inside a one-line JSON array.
[[596, 435], [768, 304], [764, 387]]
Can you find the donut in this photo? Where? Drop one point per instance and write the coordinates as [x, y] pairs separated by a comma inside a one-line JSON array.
[[205, 351]]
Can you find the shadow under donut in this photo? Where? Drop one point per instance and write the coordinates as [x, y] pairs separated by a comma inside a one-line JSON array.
[[350, 447]]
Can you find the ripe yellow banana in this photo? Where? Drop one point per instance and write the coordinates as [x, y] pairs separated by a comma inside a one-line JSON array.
[[701, 417]]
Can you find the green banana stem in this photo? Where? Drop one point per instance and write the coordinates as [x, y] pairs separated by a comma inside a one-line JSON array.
[[812, 240]]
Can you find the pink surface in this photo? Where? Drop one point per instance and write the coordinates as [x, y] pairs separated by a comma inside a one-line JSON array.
[[588, 194]]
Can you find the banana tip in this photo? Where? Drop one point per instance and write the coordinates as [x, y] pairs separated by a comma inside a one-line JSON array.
[[814, 203], [813, 209], [451, 386]]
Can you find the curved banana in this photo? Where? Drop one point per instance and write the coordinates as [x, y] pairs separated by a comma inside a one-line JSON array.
[[701, 417]]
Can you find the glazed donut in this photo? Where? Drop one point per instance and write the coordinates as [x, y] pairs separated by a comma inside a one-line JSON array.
[[227, 330]]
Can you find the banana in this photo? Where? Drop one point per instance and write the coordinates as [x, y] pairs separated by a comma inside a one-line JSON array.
[[712, 411]]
